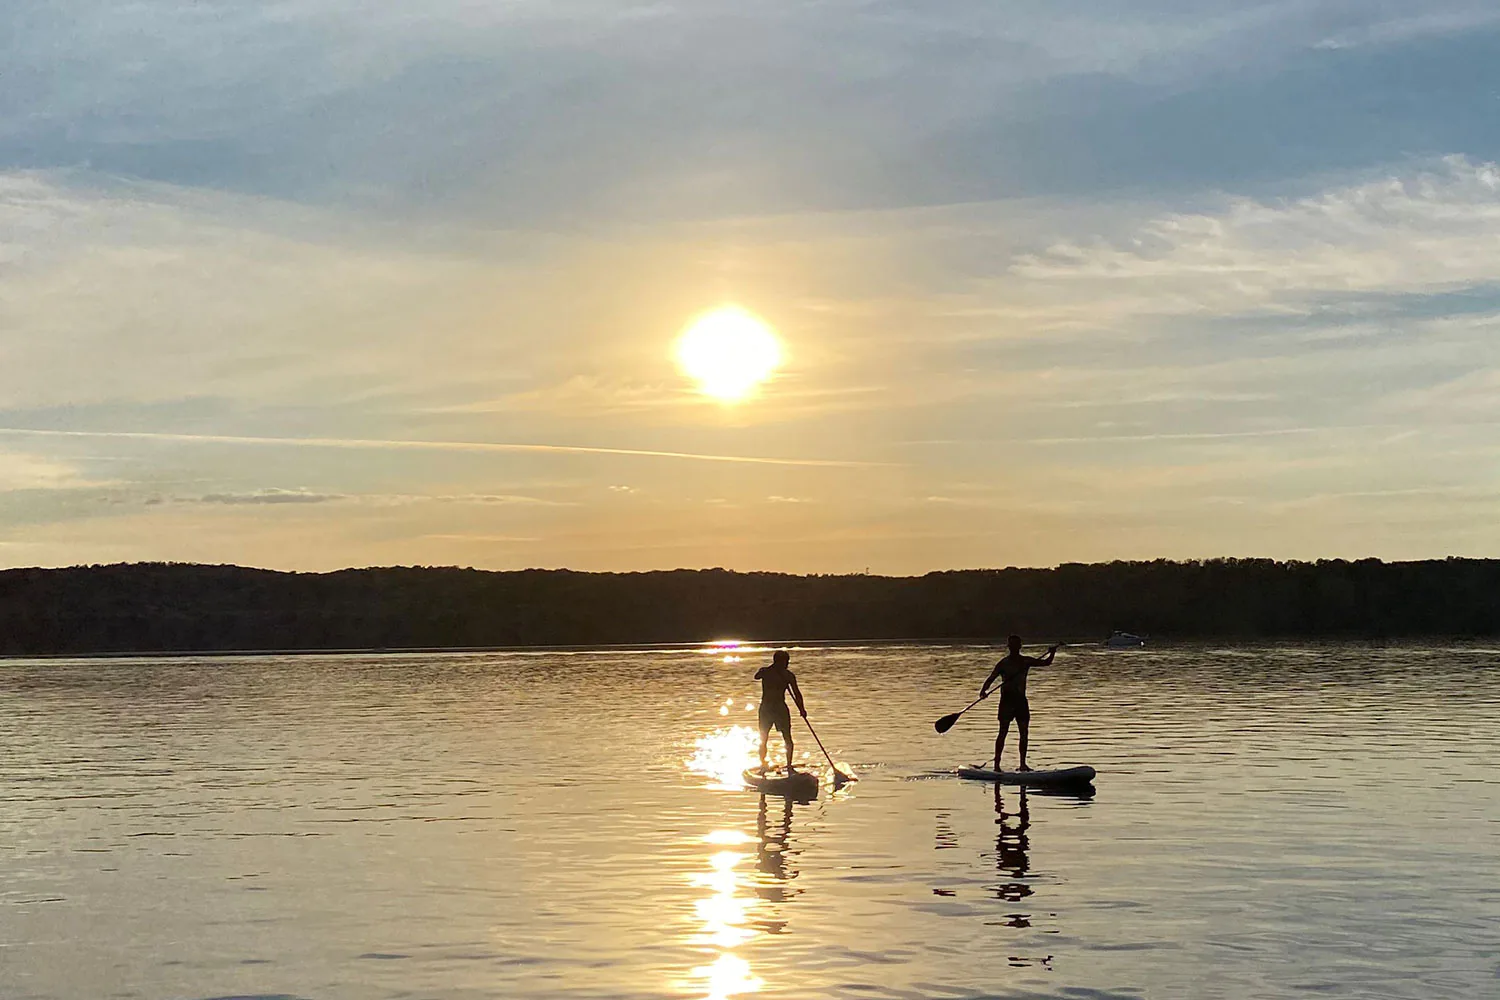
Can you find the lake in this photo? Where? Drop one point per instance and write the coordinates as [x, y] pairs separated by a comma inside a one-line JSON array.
[[1268, 821]]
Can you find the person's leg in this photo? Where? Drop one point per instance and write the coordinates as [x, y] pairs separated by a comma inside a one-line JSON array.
[[1023, 723], [765, 738], [1000, 739], [786, 737]]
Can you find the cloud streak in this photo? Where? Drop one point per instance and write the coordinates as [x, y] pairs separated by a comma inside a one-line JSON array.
[[477, 447], [1429, 232], [272, 496]]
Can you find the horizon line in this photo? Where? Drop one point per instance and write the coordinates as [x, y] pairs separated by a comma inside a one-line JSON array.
[[1052, 568]]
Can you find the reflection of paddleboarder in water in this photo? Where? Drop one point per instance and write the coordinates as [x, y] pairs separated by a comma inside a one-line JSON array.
[[772, 854], [775, 681], [1011, 846], [1013, 705]]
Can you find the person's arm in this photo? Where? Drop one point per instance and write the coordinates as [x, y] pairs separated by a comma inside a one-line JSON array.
[[797, 697], [1042, 661], [984, 689]]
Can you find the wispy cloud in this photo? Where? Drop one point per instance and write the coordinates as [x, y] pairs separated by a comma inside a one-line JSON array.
[[272, 496], [25, 471], [562, 113], [364, 444], [1426, 232], [1436, 22]]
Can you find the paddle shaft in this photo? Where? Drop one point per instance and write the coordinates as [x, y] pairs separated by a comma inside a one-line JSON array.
[[837, 773], [972, 704], [947, 722]]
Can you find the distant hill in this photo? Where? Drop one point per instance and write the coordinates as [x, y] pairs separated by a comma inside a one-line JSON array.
[[149, 607]]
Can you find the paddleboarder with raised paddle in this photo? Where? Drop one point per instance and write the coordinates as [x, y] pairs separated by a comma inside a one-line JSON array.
[[1012, 671]]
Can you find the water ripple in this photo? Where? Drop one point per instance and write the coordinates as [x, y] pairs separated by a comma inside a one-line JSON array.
[[1267, 821]]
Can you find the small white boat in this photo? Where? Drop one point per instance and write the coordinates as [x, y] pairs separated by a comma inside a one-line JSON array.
[[1124, 640]]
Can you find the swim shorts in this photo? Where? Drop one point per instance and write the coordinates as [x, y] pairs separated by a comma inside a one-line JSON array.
[[1014, 707], [777, 716]]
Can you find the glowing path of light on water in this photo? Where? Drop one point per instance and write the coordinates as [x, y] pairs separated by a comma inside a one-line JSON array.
[[723, 756], [724, 915]]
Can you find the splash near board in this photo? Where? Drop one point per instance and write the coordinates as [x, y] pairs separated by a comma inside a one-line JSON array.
[[1080, 774], [797, 785]]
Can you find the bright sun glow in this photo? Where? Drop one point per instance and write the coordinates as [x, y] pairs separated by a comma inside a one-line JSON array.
[[728, 352], [724, 754], [729, 976]]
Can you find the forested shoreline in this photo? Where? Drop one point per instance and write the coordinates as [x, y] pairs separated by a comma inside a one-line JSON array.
[[161, 607]]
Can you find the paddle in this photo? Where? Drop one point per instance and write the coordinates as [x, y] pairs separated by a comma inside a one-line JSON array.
[[839, 777], [946, 722]]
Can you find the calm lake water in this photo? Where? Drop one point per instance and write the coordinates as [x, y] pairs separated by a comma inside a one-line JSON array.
[[1268, 822]]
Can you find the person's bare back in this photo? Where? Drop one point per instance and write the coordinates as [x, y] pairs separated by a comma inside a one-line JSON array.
[[1013, 670], [775, 680]]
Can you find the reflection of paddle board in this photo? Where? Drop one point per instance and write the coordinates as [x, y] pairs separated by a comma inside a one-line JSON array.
[[797, 785], [1080, 774]]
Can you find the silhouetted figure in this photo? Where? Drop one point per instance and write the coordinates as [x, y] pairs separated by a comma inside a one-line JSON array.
[[1012, 672], [775, 681]]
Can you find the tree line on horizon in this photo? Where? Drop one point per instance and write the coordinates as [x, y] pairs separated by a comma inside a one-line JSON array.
[[161, 607]]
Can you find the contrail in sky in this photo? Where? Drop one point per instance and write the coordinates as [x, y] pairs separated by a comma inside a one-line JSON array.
[[469, 446]]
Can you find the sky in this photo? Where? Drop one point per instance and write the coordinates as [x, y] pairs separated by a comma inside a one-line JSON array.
[[307, 284]]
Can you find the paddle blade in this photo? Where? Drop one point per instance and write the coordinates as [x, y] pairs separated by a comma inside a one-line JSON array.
[[946, 722]]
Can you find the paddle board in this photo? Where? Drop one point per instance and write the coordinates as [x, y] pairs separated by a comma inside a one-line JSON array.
[[797, 785], [1078, 775]]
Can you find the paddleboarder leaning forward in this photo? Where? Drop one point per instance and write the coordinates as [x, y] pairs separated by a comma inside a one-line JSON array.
[[775, 680], [1012, 672]]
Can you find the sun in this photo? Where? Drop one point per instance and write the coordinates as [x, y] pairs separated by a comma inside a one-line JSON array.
[[728, 352]]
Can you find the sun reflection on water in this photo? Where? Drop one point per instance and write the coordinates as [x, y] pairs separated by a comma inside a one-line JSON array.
[[726, 837], [725, 754], [728, 976], [724, 916], [728, 650], [723, 913], [743, 889]]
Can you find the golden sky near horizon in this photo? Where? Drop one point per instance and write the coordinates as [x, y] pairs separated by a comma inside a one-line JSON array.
[[587, 285]]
